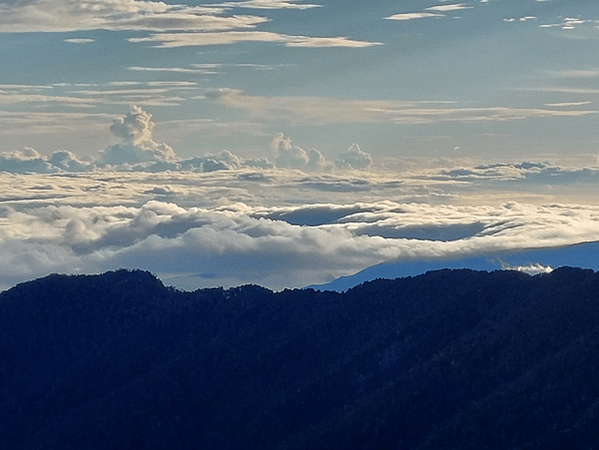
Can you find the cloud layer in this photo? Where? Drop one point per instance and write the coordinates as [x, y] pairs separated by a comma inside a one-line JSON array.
[[257, 226], [174, 25], [66, 15], [137, 151], [326, 111], [290, 218]]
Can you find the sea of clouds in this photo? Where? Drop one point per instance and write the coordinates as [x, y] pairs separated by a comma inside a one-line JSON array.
[[288, 220]]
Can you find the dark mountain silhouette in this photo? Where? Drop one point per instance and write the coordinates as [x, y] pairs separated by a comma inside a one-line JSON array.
[[449, 359]]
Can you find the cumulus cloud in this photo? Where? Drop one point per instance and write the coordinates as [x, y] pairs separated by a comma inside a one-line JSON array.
[[68, 162], [135, 130], [292, 157], [316, 160], [30, 160], [289, 156], [136, 127], [354, 158], [139, 152], [224, 160]]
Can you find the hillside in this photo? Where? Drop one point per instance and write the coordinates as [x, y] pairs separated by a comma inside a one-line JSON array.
[[449, 359]]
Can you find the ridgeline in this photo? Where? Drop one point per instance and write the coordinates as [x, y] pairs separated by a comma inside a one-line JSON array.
[[450, 359]]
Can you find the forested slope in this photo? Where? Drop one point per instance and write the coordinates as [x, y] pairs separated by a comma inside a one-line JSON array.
[[449, 359]]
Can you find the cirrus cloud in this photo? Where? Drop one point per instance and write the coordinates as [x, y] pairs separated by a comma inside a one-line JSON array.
[[269, 4], [66, 15], [411, 16], [326, 111], [170, 40]]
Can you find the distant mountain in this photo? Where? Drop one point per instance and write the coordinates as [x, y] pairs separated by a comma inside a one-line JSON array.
[[451, 359], [585, 255]]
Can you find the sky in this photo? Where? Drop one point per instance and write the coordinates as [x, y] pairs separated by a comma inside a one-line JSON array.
[[290, 142]]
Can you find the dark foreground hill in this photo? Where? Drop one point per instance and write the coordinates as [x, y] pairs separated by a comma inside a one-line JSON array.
[[450, 359]]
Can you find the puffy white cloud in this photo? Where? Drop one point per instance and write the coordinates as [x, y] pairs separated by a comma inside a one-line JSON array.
[[68, 162], [316, 160], [139, 152], [30, 160], [224, 160], [289, 156], [28, 153], [292, 157], [131, 155], [354, 158], [135, 129]]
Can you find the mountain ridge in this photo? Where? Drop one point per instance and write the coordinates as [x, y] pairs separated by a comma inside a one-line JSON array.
[[452, 358]]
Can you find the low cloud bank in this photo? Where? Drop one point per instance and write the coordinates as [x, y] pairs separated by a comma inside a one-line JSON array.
[[534, 172], [132, 224], [138, 152], [291, 219], [30, 160]]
